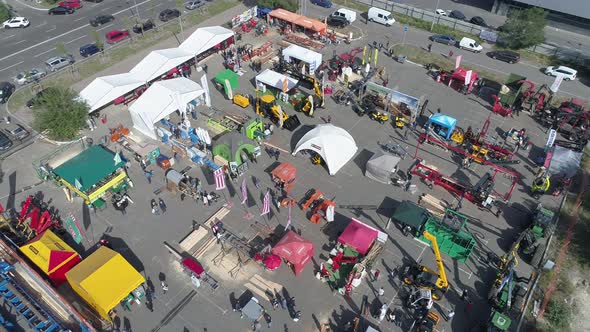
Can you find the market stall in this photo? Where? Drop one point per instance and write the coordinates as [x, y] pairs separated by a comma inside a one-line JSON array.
[[159, 62], [104, 90], [207, 40], [297, 54], [294, 249], [235, 151], [333, 144], [463, 80], [104, 279], [298, 22], [358, 236], [51, 255], [381, 167], [275, 80], [92, 174], [395, 102], [227, 80]]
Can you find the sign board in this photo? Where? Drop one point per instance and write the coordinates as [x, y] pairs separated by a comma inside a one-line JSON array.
[[468, 76], [244, 17], [406, 28], [458, 61], [556, 83], [71, 225], [551, 139], [491, 36]]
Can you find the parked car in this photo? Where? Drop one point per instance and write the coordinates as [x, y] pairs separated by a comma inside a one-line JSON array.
[[89, 49], [441, 12], [116, 36], [323, 3], [74, 4], [145, 26], [194, 4], [6, 90], [16, 22], [37, 98], [458, 15], [17, 131], [337, 21], [349, 15], [470, 45], [568, 73], [506, 56], [26, 77], [443, 39], [168, 14], [5, 142], [101, 19], [58, 62], [60, 11], [477, 20]]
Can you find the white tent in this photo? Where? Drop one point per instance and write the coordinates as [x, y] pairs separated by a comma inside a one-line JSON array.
[[310, 57], [381, 166], [276, 80], [159, 62], [333, 144], [161, 99], [104, 90], [204, 39]]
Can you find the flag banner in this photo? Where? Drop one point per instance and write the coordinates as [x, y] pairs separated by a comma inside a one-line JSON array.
[[288, 219], [72, 226], [266, 204], [219, 179], [244, 191]]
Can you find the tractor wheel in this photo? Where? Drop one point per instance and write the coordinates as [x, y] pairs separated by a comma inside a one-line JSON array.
[[437, 294], [536, 259]]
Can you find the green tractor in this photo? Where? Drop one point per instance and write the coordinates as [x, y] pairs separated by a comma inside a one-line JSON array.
[[534, 241]]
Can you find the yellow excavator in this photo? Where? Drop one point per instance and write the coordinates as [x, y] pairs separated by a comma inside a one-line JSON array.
[[266, 105], [426, 278]]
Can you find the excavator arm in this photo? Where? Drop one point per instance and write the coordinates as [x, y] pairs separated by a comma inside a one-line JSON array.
[[442, 282]]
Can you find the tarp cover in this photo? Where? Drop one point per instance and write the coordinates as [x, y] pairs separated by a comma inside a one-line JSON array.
[[161, 99], [159, 62], [333, 144], [359, 236], [103, 90], [295, 249], [444, 121], [565, 161], [205, 38], [104, 279], [275, 80], [314, 59], [381, 166]]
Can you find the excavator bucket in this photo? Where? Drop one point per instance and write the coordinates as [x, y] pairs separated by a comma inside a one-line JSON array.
[[292, 123]]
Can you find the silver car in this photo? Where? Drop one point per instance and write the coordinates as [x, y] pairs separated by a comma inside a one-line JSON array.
[[58, 62], [17, 131], [194, 4], [26, 77]]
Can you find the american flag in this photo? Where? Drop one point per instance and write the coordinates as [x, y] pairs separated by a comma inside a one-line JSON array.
[[289, 219], [244, 191], [219, 179], [266, 204]]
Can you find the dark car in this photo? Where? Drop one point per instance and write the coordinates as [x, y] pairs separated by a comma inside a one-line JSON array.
[[477, 20], [60, 11], [168, 14], [5, 142], [142, 27], [443, 39], [102, 19], [6, 90], [506, 56], [337, 21], [322, 3], [457, 14], [89, 49], [37, 98]]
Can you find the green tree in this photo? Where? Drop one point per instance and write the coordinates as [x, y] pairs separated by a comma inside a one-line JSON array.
[[61, 48], [524, 28], [59, 114], [128, 23], [290, 5], [5, 13], [558, 314], [97, 40]]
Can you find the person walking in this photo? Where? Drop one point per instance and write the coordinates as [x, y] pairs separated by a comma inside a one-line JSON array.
[[162, 205], [381, 291], [464, 295], [155, 209], [149, 175], [451, 54], [450, 315], [164, 286], [205, 199], [376, 275], [209, 198], [277, 154], [429, 47], [329, 119]]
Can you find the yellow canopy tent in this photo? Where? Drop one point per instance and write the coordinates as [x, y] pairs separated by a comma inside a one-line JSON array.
[[104, 279]]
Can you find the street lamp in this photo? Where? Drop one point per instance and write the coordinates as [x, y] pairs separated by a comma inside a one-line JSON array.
[[434, 18]]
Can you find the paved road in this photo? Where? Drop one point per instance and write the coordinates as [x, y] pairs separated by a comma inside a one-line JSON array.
[[23, 49]]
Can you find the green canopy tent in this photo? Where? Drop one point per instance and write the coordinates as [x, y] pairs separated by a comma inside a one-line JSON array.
[[225, 77]]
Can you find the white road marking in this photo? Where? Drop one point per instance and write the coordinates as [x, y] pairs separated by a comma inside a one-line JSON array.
[[73, 40], [8, 37], [14, 65], [106, 26], [154, 6], [40, 25], [106, 8], [65, 33], [40, 54], [54, 27], [80, 19], [18, 42]]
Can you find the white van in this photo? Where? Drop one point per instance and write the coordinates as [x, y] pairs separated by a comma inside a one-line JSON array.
[[470, 44], [349, 15], [380, 16]]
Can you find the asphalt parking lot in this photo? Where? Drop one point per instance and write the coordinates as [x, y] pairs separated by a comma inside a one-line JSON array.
[[180, 309]]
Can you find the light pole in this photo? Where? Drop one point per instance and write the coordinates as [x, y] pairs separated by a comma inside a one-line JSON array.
[[137, 10], [434, 18]]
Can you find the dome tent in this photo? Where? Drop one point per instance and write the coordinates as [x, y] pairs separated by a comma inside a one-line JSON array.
[[333, 144]]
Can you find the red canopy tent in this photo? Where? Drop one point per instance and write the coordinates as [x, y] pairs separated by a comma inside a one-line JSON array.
[[460, 75], [359, 236], [272, 262], [295, 249]]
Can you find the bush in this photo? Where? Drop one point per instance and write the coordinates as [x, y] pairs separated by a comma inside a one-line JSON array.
[[437, 29], [558, 314], [59, 114], [524, 28], [290, 5], [5, 13]]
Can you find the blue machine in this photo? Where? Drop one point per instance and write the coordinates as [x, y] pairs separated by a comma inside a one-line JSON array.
[[442, 125]]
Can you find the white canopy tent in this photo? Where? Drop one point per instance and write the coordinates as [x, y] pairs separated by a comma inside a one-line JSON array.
[[381, 166], [310, 57], [161, 99], [333, 144], [159, 62], [205, 38], [103, 90], [276, 80]]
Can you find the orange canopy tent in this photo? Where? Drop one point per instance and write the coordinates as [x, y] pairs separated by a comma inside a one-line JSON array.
[[284, 15], [51, 255], [295, 249], [303, 21]]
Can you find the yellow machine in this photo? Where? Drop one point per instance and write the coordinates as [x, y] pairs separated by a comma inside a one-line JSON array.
[[316, 159], [400, 122], [267, 106], [378, 116], [241, 100], [458, 136], [423, 277]]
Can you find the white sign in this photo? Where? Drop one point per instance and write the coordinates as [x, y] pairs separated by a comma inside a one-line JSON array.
[[555, 86], [458, 61], [468, 77], [205, 86], [551, 139]]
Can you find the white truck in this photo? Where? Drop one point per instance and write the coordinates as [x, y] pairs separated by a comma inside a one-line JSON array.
[[349, 15]]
